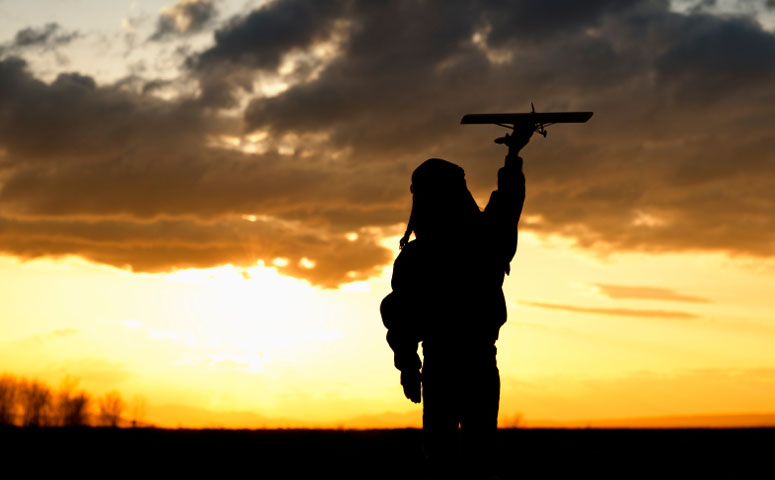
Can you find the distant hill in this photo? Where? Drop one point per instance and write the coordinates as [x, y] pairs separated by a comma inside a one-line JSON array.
[[174, 416], [680, 421], [192, 417]]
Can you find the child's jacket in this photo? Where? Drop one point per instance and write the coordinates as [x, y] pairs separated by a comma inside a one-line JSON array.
[[449, 295]]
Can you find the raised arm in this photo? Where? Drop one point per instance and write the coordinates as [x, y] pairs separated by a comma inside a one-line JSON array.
[[505, 205]]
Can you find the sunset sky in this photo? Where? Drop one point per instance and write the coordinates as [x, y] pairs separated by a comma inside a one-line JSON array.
[[201, 201]]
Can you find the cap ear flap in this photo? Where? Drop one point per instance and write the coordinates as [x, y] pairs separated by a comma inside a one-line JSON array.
[[409, 229]]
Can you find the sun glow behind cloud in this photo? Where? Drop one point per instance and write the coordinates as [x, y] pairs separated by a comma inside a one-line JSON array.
[[277, 336], [257, 310]]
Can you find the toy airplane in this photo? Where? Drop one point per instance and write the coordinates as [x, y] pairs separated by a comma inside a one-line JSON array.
[[534, 121]]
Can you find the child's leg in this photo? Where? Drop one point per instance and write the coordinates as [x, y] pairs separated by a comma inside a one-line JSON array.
[[479, 419], [440, 420]]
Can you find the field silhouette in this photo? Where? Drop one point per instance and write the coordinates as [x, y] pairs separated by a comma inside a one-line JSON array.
[[394, 454], [86, 438]]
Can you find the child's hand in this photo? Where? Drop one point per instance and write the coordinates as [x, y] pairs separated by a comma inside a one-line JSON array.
[[411, 382], [517, 140]]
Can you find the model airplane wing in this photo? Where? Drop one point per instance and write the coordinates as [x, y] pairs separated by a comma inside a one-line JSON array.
[[522, 121], [526, 118]]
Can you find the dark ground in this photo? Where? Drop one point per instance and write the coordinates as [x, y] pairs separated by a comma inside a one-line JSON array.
[[394, 454]]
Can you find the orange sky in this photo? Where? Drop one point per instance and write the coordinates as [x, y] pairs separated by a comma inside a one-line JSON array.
[[211, 347], [200, 202]]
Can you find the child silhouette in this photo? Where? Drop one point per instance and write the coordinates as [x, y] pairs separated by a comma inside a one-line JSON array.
[[447, 294]]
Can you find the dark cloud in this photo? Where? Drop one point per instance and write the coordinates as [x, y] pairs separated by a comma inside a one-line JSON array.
[[184, 17], [167, 245], [678, 156], [260, 38], [722, 55], [77, 119], [129, 180], [47, 36], [646, 293], [617, 312], [541, 21]]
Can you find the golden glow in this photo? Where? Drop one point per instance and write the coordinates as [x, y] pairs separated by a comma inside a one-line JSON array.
[[249, 347]]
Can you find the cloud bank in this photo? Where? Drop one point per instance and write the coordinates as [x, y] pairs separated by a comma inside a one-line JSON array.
[[310, 116]]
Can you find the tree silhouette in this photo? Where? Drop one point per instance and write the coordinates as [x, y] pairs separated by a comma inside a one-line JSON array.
[[32, 403], [9, 392], [111, 407], [72, 409], [36, 403]]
